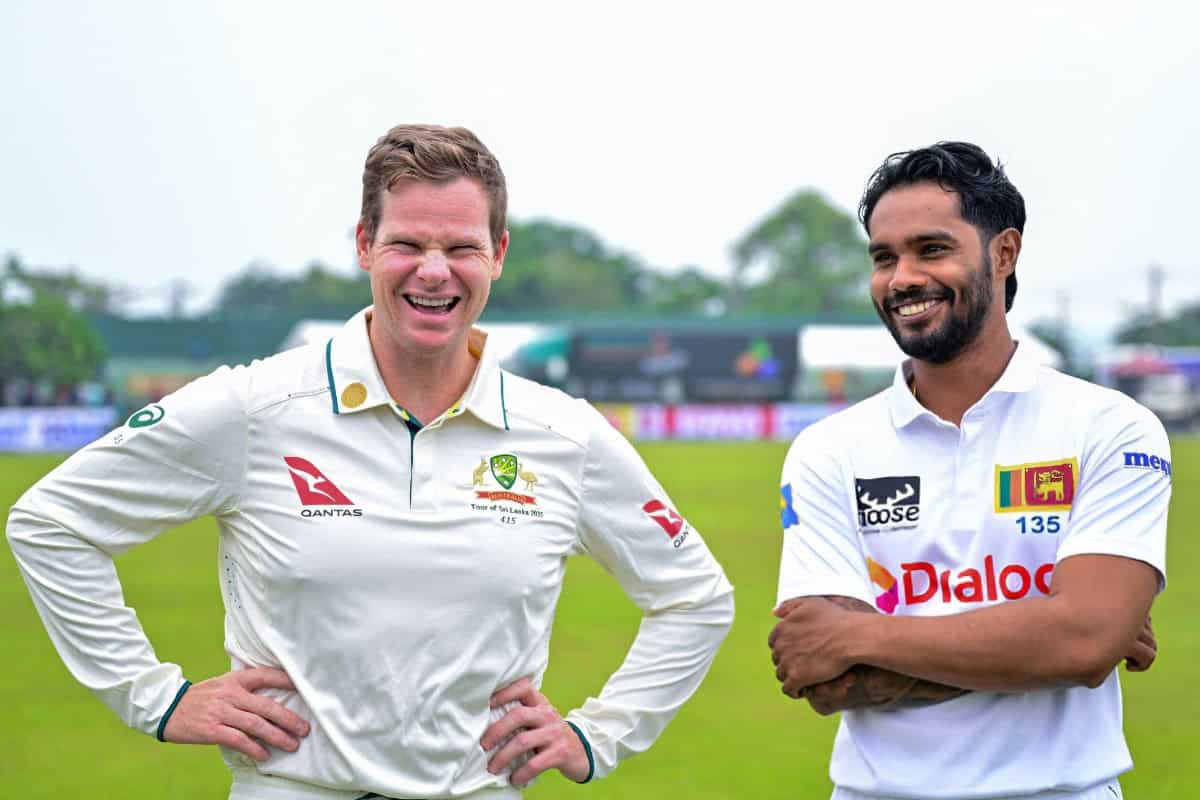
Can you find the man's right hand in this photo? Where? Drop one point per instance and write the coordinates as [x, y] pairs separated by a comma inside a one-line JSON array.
[[225, 710], [1144, 649]]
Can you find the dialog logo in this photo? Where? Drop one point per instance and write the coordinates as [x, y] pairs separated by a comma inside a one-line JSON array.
[[887, 600], [892, 503]]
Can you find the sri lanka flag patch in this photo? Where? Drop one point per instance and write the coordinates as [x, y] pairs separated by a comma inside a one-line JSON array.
[[1040, 486]]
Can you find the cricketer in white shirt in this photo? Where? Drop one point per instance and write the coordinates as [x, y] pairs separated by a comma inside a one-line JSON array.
[[886, 503], [399, 577]]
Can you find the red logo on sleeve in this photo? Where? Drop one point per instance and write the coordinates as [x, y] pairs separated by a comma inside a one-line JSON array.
[[312, 485], [665, 516]]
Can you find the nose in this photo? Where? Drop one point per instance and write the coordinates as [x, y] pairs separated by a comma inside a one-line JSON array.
[[906, 275], [434, 270]]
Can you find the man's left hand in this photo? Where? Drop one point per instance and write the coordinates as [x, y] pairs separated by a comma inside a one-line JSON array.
[[540, 731], [805, 643]]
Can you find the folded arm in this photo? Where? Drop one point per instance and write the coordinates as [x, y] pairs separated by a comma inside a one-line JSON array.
[[1093, 617]]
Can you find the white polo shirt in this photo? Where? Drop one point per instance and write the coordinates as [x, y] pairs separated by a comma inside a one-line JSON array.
[[399, 576], [887, 503]]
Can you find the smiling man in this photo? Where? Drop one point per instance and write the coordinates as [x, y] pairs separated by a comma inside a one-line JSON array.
[[389, 586], [969, 554]]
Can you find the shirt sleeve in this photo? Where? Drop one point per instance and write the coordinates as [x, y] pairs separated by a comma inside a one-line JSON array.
[[822, 553], [631, 527], [172, 462], [1124, 489]]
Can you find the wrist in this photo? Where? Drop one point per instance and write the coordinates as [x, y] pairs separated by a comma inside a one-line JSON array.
[[166, 717], [587, 749], [860, 638]]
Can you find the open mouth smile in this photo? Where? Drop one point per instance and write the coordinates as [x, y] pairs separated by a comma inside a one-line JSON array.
[[432, 305], [913, 311]]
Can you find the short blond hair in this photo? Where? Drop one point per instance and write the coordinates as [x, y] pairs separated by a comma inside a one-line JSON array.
[[435, 154]]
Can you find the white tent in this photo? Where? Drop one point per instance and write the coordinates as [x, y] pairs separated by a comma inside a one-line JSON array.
[[872, 347]]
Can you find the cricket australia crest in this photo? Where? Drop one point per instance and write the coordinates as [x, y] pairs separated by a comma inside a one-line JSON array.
[[504, 470]]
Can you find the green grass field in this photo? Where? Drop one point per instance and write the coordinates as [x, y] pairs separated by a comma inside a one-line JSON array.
[[738, 738]]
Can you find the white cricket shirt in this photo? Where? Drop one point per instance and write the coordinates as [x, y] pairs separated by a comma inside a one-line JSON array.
[[887, 503], [399, 577]]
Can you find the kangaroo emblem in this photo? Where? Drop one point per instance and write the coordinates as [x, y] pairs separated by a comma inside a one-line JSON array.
[[478, 474]]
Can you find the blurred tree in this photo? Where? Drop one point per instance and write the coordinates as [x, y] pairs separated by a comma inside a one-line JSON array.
[[688, 291], [46, 340], [554, 266], [67, 285], [318, 292], [805, 256], [1181, 329]]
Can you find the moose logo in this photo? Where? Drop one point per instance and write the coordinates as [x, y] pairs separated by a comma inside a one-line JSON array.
[[893, 502]]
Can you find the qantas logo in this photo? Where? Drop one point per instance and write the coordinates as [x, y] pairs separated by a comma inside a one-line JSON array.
[[668, 519], [315, 489]]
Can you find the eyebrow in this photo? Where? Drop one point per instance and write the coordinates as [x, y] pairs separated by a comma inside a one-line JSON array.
[[936, 235]]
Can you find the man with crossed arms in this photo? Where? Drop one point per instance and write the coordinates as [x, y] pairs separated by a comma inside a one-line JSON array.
[[1002, 525]]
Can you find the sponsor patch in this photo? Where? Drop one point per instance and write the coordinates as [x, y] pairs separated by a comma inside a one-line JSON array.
[[887, 600], [1147, 462], [668, 519], [148, 416], [314, 489], [888, 504], [787, 514], [1040, 486], [925, 582]]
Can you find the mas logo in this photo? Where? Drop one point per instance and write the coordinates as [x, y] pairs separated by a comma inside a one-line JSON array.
[[668, 519], [892, 503], [314, 489], [1040, 486], [787, 514]]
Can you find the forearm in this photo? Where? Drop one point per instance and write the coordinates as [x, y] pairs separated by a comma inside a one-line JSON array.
[[866, 686], [1029, 644], [75, 589], [666, 663]]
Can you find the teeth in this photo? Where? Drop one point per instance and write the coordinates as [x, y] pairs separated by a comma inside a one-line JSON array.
[[914, 308], [431, 302]]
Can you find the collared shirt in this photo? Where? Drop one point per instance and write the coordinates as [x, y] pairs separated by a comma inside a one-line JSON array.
[[890, 504], [399, 574]]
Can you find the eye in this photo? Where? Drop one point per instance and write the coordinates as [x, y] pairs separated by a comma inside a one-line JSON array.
[[883, 260], [464, 249], [404, 246], [934, 249]]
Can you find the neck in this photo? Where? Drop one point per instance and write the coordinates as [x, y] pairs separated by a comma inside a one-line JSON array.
[[424, 385], [949, 389]]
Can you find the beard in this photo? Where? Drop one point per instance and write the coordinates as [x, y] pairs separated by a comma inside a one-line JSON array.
[[948, 340]]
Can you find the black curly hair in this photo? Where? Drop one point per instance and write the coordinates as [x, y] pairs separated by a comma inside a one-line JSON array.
[[987, 199]]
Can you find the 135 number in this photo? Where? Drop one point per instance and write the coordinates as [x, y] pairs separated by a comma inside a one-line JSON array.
[[1038, 524]]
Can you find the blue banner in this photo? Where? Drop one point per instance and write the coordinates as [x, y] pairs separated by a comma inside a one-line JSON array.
[[56, 429]]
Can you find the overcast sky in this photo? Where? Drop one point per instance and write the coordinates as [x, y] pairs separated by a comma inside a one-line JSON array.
[[146, 142]]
